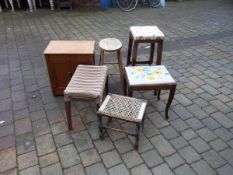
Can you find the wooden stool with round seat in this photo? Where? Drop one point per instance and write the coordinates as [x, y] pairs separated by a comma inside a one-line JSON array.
[[112, 45]]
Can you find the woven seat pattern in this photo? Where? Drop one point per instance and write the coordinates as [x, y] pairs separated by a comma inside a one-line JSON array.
[[88, 82], [146, 33], [125, 108]]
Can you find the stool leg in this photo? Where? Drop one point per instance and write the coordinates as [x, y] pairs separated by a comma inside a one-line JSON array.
[[129, 50], [135, 52], [120, 68], [152, 49], [68, 114], [159, 52], [101, 62], [100, 126], [106, 86], [137, 135], [171, 95]]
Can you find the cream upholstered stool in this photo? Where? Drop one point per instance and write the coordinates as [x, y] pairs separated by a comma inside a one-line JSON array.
[[122, 108], [87, 84], [112, 45], [145, 34]]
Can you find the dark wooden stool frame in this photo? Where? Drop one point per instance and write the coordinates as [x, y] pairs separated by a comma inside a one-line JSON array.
[[133, 47], [103, 127]]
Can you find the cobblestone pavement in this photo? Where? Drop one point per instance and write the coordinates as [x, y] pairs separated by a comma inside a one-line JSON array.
[[198, 137]]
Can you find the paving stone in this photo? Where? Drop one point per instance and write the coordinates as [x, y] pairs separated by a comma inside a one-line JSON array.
[[223, 119], [158, 120], [7, 142], [98, 169], [32, 170], [103, 145], [218, 145], [227, 154], [210, 89], [220, 106], [7, 117], [123, 145], [10, 172], [48, 159], [224, 134], [223, 98], [6, 130], [152, 158], [37, 115], [179, 142], [150, 130], [54, 116], [189, 134], [68, 156], [202, 167], [183, 100], [82, 141], [174, 160], [179, 124], [184, 170], [213, 158], [182, 112], [27, 160], [141, 170], [225, 170], [162, 169], [111, 158], [144, 143], [62, 139], [41, 127], [169, 132], [189, 154], [23, 126], [197, 111], [8, 159], [89, 157], [162, 145], [52, 169], [45, 144], [132, 159], [211, 123], [206, 134], [199, 145], [74, 170], [194, 123], [59, 127], [25, 143], [20, 114]]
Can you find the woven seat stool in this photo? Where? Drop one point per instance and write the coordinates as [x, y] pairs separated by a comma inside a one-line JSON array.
[[122, 108], [87, 84], [145, 34]]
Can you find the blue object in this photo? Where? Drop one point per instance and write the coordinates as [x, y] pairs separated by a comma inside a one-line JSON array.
[[105, 3], [162, 3]]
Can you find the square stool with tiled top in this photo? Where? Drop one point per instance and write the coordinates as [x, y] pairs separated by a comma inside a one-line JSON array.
[[150, 78], [122, 108], [145, 34]]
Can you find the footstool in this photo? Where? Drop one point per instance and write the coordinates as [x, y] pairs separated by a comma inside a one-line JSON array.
[[122, 108], [144, 34], [87, 84]]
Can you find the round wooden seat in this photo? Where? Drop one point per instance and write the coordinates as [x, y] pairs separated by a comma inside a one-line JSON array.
[[110, 44]]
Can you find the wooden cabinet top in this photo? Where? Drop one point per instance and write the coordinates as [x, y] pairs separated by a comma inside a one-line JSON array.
[[70, 47]]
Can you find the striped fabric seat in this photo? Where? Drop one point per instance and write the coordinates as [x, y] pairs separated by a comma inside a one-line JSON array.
[[87, 83]]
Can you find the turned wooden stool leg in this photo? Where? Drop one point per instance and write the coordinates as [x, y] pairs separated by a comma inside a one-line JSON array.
[[120, 68], [68, 114], [159, 52], [129, 50]]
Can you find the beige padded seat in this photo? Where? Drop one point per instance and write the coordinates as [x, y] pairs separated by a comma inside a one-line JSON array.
[[122, 108], [144, 34], [87, 84]]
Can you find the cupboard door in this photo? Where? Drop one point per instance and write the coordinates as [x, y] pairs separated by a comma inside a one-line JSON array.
[[75, 60], [60, 70]]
